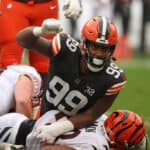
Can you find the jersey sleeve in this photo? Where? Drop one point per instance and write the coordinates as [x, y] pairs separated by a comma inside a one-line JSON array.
[[58, 43], [117, 80], [10, 124], [116, 88]]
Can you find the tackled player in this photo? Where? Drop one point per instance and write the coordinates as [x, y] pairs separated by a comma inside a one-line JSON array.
[[121, 130]]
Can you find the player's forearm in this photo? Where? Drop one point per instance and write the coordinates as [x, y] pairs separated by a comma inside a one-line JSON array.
[[81, 120], [27, 39], [31, 37], [93, 113]]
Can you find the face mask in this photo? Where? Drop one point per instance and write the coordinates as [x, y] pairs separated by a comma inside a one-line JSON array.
[[96, 64]]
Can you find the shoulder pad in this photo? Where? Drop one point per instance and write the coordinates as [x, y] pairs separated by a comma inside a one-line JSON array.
[[57, 42]]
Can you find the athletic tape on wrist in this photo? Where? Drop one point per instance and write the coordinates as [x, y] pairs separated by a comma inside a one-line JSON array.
[[37, 31]]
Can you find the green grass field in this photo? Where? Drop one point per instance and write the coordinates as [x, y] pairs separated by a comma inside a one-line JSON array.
[[136, 94]]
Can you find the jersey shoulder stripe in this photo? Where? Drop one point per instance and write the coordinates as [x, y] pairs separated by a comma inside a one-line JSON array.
[[56, 45], [115, 88]]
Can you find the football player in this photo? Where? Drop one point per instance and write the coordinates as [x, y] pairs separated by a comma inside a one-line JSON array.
[[18, 14], [18, 84], [122, 130], [83, 80]]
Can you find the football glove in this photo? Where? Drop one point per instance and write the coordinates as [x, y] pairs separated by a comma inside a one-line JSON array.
[[48, 133], [72, 9], [49, 26]]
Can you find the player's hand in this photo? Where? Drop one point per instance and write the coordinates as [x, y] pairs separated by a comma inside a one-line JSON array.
[[49, 26], [72, 8], [48, 133]]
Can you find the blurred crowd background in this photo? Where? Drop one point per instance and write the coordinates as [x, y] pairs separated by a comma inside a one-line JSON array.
[[131, 16]]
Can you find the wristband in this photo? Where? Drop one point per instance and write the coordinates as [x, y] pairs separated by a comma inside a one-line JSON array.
[[37, 31], [62, 127]]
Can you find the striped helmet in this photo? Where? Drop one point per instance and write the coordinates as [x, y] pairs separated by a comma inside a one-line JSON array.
[[126, 129], [100, 32]]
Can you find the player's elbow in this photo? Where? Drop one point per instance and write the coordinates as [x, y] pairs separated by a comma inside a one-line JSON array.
[[25, 38], [21, 41]]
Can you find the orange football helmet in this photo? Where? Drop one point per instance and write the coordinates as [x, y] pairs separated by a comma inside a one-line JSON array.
[[100, 32], [127, 130]]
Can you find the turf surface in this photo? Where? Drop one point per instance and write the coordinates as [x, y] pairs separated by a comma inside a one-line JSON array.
[[136, 94]]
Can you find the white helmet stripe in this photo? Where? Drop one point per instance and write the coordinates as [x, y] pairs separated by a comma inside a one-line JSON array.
[[104, 28]]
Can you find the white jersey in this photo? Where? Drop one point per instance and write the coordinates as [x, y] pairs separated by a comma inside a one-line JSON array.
[[9, 126], [8, 79], [90, 138]]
